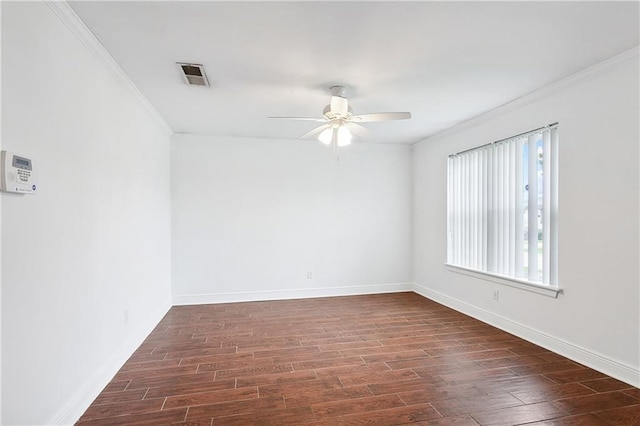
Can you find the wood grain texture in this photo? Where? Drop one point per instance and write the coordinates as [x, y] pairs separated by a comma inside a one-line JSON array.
[[388, 359]]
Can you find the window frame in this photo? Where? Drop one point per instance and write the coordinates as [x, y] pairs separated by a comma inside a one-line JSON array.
[[466, 202]]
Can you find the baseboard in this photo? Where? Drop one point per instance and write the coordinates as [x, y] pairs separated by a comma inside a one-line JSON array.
[[78, 404], [591, 359], [253, 296]]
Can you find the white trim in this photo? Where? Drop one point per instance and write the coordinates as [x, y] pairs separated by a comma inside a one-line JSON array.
[[82, 399], [69, 17], [597, 361], [287, 294], [620, 60], [545, 290]]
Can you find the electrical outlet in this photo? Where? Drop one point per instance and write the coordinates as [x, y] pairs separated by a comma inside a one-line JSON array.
[[126, 316], [496, 294], [309, 275]]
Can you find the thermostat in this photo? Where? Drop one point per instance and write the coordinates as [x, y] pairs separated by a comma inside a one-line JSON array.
[[17, 174]]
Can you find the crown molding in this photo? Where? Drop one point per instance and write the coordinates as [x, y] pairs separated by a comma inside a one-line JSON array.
[[608, 65], [72, 21]]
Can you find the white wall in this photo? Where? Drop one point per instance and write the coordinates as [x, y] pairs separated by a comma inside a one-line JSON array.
[[95, 240], [250, 217], [597, 318]]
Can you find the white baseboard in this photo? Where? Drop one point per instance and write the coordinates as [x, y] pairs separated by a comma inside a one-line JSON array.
[[78, 404], [253, 296], [599, 362]]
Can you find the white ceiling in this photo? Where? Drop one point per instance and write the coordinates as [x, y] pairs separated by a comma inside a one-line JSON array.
[[445, 62]]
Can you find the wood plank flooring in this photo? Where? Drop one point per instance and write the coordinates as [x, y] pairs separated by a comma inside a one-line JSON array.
[[388, 359]]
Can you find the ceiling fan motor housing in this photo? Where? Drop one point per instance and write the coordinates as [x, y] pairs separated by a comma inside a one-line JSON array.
[[332, 113], [337, 91]]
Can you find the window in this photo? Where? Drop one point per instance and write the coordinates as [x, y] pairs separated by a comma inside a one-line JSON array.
[[502, 204]]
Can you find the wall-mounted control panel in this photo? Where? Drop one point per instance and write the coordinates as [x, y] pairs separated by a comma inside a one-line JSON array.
[[17, 174]]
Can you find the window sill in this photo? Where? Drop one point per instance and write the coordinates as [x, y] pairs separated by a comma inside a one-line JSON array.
[[545, 290]]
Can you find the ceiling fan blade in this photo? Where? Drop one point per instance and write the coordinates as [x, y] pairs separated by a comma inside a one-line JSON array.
[[321, 120], [357, 129], [339, 105], [381, 116], [315, 131]]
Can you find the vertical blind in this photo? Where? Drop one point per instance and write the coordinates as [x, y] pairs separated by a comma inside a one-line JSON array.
[[502, 204]]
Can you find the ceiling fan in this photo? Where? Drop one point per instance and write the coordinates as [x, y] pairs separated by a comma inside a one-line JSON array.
[[339, 123]]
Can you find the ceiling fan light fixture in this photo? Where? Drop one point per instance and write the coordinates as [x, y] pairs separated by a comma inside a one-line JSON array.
[[343, 136], [326, 136]]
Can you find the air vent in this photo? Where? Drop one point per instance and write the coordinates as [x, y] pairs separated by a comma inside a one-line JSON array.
[[193, 74]]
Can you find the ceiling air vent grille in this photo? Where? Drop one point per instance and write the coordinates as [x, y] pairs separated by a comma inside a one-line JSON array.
[[193, 74]]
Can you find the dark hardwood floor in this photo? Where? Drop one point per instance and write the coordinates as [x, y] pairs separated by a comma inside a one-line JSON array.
[[387, 359]]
